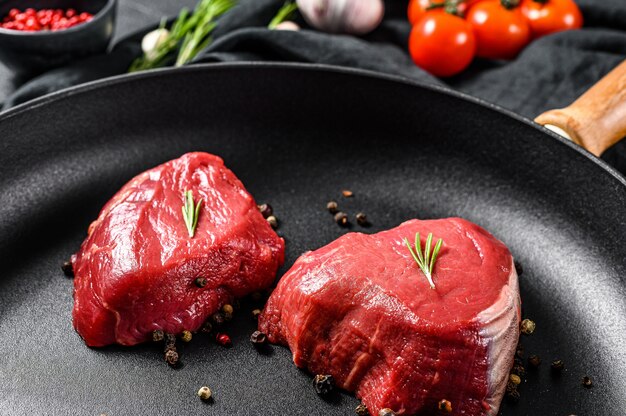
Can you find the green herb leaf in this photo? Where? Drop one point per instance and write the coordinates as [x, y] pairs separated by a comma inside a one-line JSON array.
[[188, 35], [426, 262], [286, 12], [191, 213]]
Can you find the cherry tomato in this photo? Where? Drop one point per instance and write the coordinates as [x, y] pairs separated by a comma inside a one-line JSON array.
[[442, 44], [501, 33], [551, 16]]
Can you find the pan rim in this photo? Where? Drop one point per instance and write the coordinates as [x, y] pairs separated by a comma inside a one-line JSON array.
[[66, 93]]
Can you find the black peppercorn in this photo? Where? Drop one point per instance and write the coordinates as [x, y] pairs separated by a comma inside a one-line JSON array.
[[206, 327], [256, 296], [258, 338], [587, 382], [68, 269], [170, 342], [341, 218], [332, 207], [171, 356], [534, 361], [557, 366], [386, 412], [518, 370], [323, 384], [361, 410], [266, 210], [361, 219], [218, 318], [157, 335], [201, 281], [272, 221], [513, 395], [519, 268]]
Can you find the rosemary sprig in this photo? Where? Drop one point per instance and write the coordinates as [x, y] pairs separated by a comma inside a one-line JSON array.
[[191, 213], [188, 35], [286, 12], [425, 261]]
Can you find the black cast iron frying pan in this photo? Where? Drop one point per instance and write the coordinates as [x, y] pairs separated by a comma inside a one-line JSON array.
[[297, 135]]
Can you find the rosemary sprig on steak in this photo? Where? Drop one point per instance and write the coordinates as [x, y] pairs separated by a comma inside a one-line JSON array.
[[425, 261]]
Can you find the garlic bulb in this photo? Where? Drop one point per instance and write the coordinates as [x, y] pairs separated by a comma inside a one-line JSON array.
[[287, 25], [152, 40], [343, 16]]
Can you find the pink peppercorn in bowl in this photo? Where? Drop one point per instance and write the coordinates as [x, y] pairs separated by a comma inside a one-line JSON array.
[[31, 43]]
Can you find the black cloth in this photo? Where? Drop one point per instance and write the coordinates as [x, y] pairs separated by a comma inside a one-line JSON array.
[[550, 73]]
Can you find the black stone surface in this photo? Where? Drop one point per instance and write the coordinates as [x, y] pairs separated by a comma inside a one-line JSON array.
[[297, 136]]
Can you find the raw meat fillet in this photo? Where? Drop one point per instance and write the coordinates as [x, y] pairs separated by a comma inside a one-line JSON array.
[[361, 310], [136, 270]]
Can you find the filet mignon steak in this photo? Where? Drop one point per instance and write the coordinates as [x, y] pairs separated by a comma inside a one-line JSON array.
[[136, 271], [361, 310]]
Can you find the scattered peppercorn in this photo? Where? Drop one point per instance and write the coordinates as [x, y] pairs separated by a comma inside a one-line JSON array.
[[323, 384], [266, 210], [347, 193], [518, 370], [223, 340], [218, 318], [444, 406], [206, 327], [258, 338], [171, 356], [361, 410], [534, 361], [386, 412], [332, 207], [361, 219], [68, 269], [228, 317], [170, 342], [557, 366], [186, 336], [341, 218], [204, 393], [273, 221], [513, 395], [587, 382], [157, 335], [201, 281], [527, 327], [256, 296], [518, 268], [515, 379], [256, 313]]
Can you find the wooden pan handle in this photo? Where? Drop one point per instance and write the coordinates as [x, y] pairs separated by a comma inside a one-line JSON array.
[[596, 120]]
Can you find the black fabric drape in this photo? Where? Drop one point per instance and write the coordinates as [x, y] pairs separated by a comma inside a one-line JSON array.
[[549, 73]]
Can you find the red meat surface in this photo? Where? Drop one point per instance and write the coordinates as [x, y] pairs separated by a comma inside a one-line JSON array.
[[361, 310], [136, 270]]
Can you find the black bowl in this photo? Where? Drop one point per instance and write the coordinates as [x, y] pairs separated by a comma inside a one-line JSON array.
[[33, 52]]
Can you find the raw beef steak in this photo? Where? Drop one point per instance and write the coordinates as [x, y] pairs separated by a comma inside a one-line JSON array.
[[361, 310], [136, 271]]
